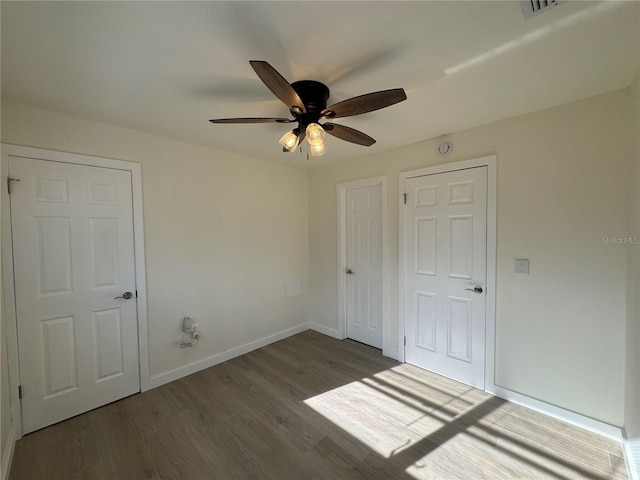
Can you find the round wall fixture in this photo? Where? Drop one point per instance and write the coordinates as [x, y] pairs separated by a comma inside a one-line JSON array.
[[445, 148]]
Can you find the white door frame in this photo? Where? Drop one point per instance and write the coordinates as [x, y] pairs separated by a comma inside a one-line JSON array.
[[342, 256], [17, 151], [491, 162]]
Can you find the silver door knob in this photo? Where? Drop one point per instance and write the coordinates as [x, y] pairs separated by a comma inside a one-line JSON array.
[[475, 289], [350, 272], [125, 295]]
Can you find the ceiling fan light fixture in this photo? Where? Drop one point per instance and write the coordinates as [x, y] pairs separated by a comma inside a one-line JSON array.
[[289, 141], [317, 150], [315, 135], [307, 103]]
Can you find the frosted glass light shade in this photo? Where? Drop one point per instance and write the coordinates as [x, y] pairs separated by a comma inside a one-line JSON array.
[[317, 150], [289, 141], [315, 134]]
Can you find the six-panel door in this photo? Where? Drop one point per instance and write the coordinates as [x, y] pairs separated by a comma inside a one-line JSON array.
[[72, 228], [445, 253], [364, 261]]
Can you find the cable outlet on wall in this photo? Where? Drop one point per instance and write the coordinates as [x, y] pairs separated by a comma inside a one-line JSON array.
[[190, 329], [522, 266]]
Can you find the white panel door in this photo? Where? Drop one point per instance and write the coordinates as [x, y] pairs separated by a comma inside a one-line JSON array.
[[445, 255], [72, 228], [364, 264]]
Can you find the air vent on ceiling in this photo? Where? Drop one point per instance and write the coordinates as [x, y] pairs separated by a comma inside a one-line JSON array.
[[531, 8]]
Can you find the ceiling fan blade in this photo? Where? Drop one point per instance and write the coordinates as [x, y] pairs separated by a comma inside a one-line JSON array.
[[278, 85], [251, 120], [349, 134], [365, 103]]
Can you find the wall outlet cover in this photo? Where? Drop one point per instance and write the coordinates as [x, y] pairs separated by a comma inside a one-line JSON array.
[[187, 325], [522, 266]]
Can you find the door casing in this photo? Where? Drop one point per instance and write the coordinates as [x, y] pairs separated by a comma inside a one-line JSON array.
[[491, 163], [17, 151], [342, 257]]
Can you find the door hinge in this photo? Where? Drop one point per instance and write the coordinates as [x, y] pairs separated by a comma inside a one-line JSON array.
[[405, 341], [9, 180], [20, 392], [404, 197]]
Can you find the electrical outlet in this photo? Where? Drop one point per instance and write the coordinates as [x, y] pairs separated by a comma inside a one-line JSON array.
[[522, 266]]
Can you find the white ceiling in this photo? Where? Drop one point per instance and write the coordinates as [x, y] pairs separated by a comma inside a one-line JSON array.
[[167, 67]]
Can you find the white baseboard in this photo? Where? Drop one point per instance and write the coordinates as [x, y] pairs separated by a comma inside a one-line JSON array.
[[7, 455], [391, 354], [631, 452], [331, 332], [596, 426], [194, 367]]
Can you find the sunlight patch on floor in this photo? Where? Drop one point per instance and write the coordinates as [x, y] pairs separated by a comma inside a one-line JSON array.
[[390, 411], [432, 427], [370, 416]]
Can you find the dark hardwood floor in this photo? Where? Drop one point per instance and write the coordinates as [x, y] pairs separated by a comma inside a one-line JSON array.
[[311, 407]]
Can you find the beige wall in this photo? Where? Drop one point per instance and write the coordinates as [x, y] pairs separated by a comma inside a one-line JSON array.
[[562, 186], [223, 233], [632, 383]]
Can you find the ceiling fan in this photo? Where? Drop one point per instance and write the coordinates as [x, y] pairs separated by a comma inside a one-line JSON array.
[[307, 102]]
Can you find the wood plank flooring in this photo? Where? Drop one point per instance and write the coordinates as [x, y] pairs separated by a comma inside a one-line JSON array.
[[312, 407]]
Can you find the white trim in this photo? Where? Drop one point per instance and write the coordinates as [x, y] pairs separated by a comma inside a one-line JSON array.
[[393, 355], [19, 151], [491, 162], [7, 454], [631, 454], [401, 262], [141, 278], [177, 373], [7, 267], [331, 332], [341, 190], [582, 421], [9, 306], [492, 260]]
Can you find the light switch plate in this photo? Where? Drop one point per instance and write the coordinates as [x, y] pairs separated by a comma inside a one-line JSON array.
[[522, 266]]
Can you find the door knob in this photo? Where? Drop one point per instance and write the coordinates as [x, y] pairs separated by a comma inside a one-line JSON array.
[[125, 295], [475, 289], [350, 272]]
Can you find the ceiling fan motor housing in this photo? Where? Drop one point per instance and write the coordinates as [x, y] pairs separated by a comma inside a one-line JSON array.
[[314, 95]]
